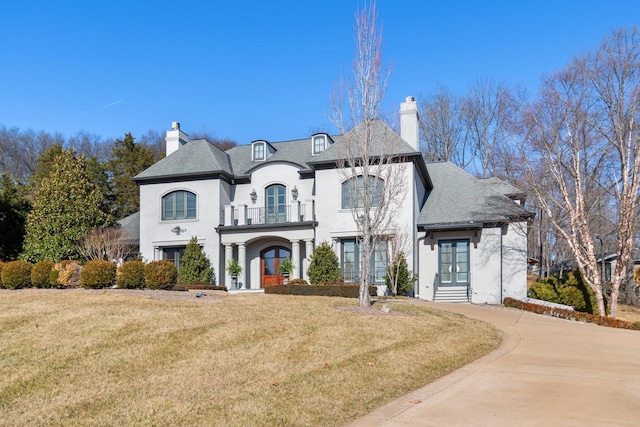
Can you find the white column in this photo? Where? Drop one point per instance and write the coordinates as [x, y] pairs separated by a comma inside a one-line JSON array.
[[242, 214], [228, 254], [295, 258], [242, 260], [228, 215], [308, 252]]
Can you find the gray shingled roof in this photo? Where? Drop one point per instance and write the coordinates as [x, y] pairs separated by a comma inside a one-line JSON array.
[[131, 225], [384, 142], [503, 187], [458, 198], [296, 151], [197, 157]]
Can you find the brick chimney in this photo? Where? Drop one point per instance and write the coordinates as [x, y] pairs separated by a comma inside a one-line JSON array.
[[175, 138], [409, 122]]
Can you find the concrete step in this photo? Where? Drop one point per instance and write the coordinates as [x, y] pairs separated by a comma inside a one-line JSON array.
[[451, 294]]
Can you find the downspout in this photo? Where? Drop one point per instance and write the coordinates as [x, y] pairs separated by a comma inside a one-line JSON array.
[[501, 261], [416, 267]]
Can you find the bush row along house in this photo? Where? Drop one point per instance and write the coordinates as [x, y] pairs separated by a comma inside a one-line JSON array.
[[262, 202]]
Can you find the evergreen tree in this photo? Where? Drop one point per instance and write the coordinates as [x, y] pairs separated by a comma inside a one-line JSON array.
[[324, 267], [399, 279], [128, 160], [66, 206], [194, 265], [44, 166], [14, 208]]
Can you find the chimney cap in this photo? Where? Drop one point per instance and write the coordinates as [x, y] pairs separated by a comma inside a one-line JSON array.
[[175, 125], [410, 99]]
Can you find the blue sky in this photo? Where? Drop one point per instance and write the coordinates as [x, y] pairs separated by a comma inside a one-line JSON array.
[[251, 70]]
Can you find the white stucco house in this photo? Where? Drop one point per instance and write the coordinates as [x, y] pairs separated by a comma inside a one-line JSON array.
[[262, 202]]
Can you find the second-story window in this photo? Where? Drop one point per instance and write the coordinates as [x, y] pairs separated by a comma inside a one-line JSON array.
[[179, 205], [354, 192]]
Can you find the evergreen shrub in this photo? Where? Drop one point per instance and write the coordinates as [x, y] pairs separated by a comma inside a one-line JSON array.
[[570, 290], [298, 281], [98, 274], [130, 275], [346, 291], [40, 274], [160, 275], [324, 267], [194, 265], [16, 275]]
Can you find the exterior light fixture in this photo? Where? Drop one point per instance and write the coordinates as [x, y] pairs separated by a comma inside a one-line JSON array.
[[254, 196], [294, 193]]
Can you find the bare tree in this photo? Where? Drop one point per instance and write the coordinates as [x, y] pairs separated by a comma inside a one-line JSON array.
[[583, 135], [487, 111], [105, 243], [368, 166], [442, 128], [222, 143]]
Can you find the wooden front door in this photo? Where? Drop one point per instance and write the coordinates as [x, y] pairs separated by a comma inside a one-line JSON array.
[[270, 259]]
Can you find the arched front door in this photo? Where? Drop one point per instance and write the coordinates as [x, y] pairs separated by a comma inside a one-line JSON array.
[[270, 260]]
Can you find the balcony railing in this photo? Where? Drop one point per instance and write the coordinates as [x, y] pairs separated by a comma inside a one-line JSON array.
[[243, 215]]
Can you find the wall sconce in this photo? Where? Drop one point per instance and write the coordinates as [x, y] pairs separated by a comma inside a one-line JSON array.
[[177, 230], [294, 193], [254, 196]]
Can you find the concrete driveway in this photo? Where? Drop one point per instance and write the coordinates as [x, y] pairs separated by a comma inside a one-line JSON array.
[[548, 372]]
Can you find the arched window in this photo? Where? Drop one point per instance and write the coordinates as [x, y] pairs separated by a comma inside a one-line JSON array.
[[179, 205], [353, 192], [276, 204]]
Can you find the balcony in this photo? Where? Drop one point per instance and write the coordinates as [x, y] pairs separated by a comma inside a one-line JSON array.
[[241, 215]]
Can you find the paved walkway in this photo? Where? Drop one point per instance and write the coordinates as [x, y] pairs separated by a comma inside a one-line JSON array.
[[548, 372]]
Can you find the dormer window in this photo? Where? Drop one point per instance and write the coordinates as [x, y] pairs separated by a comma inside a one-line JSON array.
[[258, 151], [319, 143]]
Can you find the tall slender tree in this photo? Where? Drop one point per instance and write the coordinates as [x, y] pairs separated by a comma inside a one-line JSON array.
[[368, 164]]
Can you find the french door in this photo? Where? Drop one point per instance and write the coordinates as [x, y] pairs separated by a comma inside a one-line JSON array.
[[276, 204], [454, 262], [270, 259]]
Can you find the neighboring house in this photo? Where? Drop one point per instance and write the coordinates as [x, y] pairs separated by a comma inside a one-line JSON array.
[[262, 202]]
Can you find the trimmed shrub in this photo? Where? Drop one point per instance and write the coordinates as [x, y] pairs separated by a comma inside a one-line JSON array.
[[66, 274], [298, 282], [160, 275], [200, 286], [324, 267], [16, 275], [130, 275], [98, 274], [346, 291], [194, 265], [40, 274]]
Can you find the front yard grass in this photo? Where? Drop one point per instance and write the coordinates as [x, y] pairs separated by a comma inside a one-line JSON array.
[[98, 358]]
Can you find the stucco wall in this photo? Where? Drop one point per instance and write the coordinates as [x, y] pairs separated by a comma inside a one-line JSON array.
[[498, 267], [156, 233]]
